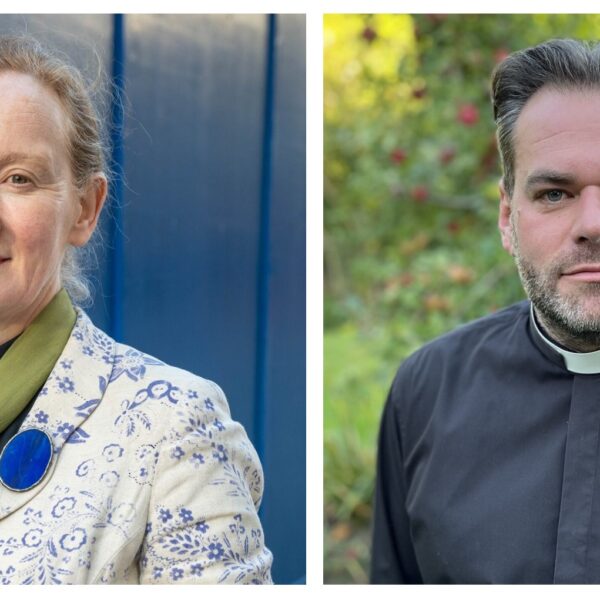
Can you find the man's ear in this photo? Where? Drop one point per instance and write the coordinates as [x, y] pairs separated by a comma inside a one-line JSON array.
[[91, 201], [504, 224]]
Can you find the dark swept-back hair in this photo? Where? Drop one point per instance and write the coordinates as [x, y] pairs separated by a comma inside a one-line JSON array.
[[562, 64]]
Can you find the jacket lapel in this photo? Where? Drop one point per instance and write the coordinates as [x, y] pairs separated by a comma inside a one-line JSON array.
[[70, 395]]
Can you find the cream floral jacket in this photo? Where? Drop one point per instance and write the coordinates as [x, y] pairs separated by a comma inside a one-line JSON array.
[[151, 480]]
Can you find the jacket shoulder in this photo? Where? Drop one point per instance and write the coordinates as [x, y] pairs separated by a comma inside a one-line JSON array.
[[140, 375], [134, 367]]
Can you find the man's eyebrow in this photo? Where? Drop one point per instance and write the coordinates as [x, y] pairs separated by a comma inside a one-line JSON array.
[[548, 177]]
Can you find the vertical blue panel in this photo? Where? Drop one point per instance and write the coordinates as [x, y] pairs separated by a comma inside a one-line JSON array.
[[285, 429], [117, 161], [264, 253], [195, 84]]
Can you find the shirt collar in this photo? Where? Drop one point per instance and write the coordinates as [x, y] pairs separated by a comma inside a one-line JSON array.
[[583, 363]]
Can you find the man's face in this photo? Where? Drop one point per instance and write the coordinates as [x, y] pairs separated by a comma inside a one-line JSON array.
[[551, 224]]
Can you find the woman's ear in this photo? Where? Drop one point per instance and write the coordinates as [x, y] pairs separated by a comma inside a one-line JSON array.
[[91, 201]]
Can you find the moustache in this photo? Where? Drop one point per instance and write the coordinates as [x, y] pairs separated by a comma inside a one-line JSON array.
[[587, 255]]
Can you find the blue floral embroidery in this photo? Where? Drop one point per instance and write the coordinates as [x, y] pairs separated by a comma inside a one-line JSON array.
[[164, 515], [197, 459], [63, 506], [196, 552], [74, 540], [110, 478], [177, 453], [163, 389], [84, 468], [112, 452], [64, 430], [33, 538], [132, 364], [202, 527], [65, 384], [186, 515], [219, 452], [123, 514], [85, 561], [87, 408], [215, 551], [41, 417]]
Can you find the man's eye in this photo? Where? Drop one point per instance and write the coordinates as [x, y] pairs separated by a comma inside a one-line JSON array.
[[553, 195]]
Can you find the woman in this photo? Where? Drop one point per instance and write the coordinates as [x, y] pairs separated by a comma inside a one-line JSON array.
[[115, 467]]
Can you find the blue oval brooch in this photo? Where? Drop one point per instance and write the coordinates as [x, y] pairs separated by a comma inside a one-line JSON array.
[[25, 460]]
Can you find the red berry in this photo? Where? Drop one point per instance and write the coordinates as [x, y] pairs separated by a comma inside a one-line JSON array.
[[369, 34], [468, 114], [447, 155], [398, 155], [419, 92], [419, 193], [453, 227], [500, 54]]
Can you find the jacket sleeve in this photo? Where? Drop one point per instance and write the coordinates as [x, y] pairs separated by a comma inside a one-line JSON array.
[[392, 558], [203, 525]]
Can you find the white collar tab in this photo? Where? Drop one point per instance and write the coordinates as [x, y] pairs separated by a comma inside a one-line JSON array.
[[582, 363]]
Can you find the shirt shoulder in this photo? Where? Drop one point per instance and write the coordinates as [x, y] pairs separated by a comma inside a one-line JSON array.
[[459, 353]]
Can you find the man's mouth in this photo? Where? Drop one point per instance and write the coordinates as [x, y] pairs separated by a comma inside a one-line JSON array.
[[584, 272]]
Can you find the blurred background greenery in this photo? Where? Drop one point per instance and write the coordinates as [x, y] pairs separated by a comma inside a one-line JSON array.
[[411, 245]]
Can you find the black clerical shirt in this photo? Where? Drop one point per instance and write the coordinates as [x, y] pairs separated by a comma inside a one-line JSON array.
[[489, 462]]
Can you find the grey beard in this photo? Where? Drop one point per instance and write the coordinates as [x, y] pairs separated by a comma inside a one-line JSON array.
[[563, 317]]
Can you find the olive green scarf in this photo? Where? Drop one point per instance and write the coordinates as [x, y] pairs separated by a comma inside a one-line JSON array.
[[31, 357]]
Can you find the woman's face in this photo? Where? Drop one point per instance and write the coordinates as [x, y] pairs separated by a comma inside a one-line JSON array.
[[41, 210]]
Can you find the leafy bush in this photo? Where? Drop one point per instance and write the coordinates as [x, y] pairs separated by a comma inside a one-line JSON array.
[[411, 248]]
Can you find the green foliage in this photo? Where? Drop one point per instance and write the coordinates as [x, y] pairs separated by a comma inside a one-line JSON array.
[[411, 244]]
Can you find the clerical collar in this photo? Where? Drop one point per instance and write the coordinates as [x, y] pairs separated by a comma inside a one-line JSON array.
[[583, 363]]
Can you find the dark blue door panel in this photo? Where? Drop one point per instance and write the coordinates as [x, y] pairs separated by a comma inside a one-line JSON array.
[[193, 148], [285, 407]]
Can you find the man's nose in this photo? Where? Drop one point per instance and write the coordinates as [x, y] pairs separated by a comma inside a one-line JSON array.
[[587, 225]]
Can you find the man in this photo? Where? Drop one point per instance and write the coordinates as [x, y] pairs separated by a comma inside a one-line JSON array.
[[489, 449]]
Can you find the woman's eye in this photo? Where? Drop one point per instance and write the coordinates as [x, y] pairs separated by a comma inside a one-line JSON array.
[[554, 195], [17, 179]]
